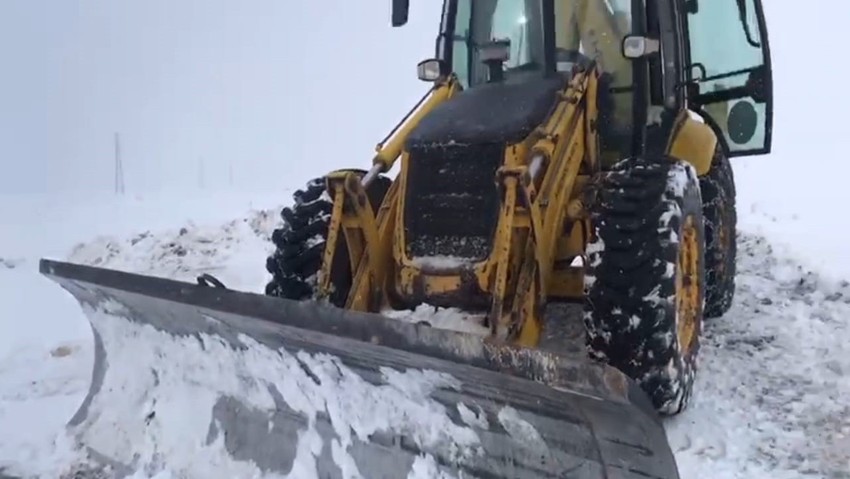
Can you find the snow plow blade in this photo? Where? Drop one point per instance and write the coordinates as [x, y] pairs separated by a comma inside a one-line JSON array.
[[244, 384]]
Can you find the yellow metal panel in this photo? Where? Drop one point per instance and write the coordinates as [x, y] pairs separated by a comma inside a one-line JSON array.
[[387, 153], [567, 283], [693, 141], [413, 282], [572, 244]]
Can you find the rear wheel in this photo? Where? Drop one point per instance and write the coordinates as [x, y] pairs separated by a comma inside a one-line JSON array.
[[718, 207], [300, 244], [644, 284]]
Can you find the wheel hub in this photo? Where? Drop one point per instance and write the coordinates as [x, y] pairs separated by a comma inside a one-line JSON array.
[[687, 286]]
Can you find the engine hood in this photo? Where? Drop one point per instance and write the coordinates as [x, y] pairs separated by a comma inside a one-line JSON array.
[[492, 113]]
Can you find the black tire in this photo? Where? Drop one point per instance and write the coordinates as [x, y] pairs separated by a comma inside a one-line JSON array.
[[721, 222], [300, 244], [631, 313]]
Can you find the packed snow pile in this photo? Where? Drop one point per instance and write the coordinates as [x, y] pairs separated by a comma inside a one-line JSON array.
[[444, 318], [234, 252]]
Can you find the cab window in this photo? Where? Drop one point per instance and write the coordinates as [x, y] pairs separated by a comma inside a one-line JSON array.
[[729, 71], [481, 21]]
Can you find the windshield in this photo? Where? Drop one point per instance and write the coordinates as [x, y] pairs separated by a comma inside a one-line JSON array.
[[594, 28], [481, 21]]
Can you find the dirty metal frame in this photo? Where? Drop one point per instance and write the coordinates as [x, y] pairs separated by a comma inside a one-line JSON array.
[[541, 229]]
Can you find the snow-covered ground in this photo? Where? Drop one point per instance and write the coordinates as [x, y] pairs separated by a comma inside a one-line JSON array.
[[774, 386]]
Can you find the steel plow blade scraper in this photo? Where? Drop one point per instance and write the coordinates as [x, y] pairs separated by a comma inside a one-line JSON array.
[[188, 376]]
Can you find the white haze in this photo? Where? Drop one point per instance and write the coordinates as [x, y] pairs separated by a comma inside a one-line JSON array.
[[270, 89], [265, 87]]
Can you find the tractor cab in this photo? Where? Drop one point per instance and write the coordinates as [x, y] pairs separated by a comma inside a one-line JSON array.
[[656, 59]]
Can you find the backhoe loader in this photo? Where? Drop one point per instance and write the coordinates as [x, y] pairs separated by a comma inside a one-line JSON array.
[[568, 170]]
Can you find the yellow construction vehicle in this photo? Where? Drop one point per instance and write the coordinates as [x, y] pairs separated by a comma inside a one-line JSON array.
[[569, 152], [573, 150]]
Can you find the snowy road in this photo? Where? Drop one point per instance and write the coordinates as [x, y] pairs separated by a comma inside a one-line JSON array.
[[773, 396]]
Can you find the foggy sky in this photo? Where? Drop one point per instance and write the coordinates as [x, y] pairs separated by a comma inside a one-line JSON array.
[[274, 88], [279, 89]]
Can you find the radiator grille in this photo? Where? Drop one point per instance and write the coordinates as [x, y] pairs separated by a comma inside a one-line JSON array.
[[452, 202]]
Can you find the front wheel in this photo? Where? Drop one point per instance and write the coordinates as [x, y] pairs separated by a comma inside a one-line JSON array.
[[645, 277], [300, 244]]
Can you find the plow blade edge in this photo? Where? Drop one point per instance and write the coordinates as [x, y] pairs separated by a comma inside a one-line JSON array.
[[188, 377]]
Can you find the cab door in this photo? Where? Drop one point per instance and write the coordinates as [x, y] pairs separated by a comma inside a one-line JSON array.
[[729, 78]]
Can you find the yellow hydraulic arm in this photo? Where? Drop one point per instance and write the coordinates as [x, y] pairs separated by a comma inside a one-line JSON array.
[[545, 186], [369, 236]]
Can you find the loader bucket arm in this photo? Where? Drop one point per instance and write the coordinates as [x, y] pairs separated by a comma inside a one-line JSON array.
[[411, 395]]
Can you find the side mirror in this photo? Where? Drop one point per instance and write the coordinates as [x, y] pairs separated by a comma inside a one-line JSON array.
[[401, 8], [636, 46], [429, 70], [741, 122]]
